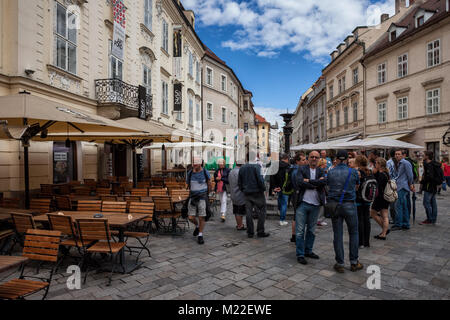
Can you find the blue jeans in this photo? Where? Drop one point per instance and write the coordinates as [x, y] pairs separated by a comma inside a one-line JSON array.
[[282, 205], [402, 212], [350, 215], [430, 204], [305, 218]]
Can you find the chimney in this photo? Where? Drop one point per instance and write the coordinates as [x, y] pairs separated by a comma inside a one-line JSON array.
[[399, 4], [384, 17]]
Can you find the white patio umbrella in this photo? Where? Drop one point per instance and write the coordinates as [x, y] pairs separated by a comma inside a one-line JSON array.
[[379, 143]]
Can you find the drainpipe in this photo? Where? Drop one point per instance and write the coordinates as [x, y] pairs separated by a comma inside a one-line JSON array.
[[363, 45]]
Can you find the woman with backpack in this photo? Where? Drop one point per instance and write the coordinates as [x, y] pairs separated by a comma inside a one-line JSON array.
[[366, 191], [380, 207]]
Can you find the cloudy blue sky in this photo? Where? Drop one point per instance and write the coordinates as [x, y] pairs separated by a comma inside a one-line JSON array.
[[278, 48]]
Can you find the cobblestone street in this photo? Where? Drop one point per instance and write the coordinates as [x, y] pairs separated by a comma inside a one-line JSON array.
[[414, 264]]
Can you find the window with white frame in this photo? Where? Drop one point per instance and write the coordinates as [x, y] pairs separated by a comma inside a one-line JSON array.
[[179, 115], [402, 65], [209, 111], [197, 71], [165, 35], [340, 85], [433, 101], [355, 111], [209, 76], [433, 53], [382, 112], [191, 64], [330, 89], [115, 65], [65, 39], [346, 115], [331, 121], [381, 69], [338, 118], [355, 76], [197, 115], [191, 111], [402, 106], [224, 83], [224, 115], [147, 79], [148, 12], [165, 98]]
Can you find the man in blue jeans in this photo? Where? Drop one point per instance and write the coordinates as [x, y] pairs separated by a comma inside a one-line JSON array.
[[431, 179], [348, 211], [311, 182], [280, 180], [405, 184]]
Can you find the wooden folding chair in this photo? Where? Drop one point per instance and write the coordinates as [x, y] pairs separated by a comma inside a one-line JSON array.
[[42, 246], [108, 198], [98, 229], [65, 189], [85, 191], [142, 235], [40, 205], [117, 207], [47, 189], [140, 192], [22, 222], [104, 184], [5, 237], [103, 191], [164, 209], [157, 192], [63, 203], [89, 205], [13, 203], [143, 184]]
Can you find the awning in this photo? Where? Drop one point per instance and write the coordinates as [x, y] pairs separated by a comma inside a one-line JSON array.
[[378, 143], [392, 135], [183, 145], [53, 116], [326, 145]]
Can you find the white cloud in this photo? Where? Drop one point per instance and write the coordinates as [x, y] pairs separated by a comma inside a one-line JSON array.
[[265, 27], [272, 115]]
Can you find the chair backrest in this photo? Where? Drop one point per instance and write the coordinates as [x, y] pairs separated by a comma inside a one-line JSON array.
[[104, 184], [22, 222], [108, 197], [47, 189], [41, 205], [140, 192], [103, 191], [13, 203], [65, 189], [163, 204], [93, 229], [142, 207], [89, 205], [110, 206], [128, 186], [64, 224], [63, 203], [157, 192], [143, 184], [83, 191], [179, 193], [42, 245], [75, 183]]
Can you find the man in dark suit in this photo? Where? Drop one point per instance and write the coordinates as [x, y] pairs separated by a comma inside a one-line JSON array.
[[311, 182]]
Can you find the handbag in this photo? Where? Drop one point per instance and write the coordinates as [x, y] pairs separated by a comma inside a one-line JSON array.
[[333, 207]]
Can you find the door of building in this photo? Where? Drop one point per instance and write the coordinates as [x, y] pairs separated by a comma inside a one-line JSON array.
[[120, 160], [64, 162]]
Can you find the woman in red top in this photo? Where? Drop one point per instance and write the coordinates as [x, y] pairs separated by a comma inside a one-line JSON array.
[[446, 169]]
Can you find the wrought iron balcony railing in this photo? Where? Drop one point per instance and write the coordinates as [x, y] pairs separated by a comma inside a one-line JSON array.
[[115, 91]]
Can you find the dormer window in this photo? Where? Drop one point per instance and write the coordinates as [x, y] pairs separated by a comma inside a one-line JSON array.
[[393, 35], [420, 21]]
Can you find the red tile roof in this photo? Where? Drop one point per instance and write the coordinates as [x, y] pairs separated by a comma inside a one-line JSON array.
[[260, 119], [213, 56], [437, 6]]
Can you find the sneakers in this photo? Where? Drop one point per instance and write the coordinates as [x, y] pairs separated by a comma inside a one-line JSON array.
[[312, 255], [302, 260], [222, 218], [200, 240], [356, 267], [339, 268], [283, 223], [425, 222], [293, 238], [321, 223], [196, 232]]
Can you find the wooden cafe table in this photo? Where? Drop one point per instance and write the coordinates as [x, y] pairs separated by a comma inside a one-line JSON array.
[[10, 262], [119, 221]]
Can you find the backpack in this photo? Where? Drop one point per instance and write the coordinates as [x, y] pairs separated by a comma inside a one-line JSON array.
[[288, 187], [415, 170], [390, 192], [368, 188], [185, 210]]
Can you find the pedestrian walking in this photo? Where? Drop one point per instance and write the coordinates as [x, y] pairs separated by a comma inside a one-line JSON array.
[[364, 198], [321, 220], [251, 183], [300, 160], [343, 181], [431, 180], [281, 183], [311, 181], [221, 179], [198, 180], [446, 170], [392, 167], [237, 197], [380, 206], [405, 184]]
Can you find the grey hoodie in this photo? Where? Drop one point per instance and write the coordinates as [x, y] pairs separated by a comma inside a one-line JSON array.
[[237, 197]]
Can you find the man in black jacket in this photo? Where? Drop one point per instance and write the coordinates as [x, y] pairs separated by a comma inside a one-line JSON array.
[[279, 181], [311, 181], [251, 183], [432, 178]]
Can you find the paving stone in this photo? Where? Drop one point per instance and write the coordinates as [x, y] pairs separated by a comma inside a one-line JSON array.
[[264, 284]]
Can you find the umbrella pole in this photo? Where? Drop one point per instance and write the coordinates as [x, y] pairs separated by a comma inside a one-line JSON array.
[[134, 169], [27, 177]]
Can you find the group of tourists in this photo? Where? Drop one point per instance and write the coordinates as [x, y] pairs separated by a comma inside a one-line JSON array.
[[351, 188]]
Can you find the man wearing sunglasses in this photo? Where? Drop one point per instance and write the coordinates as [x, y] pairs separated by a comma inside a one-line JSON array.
[[311, 183]]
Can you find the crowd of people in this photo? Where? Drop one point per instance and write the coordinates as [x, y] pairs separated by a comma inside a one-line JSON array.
[[363, 188]]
